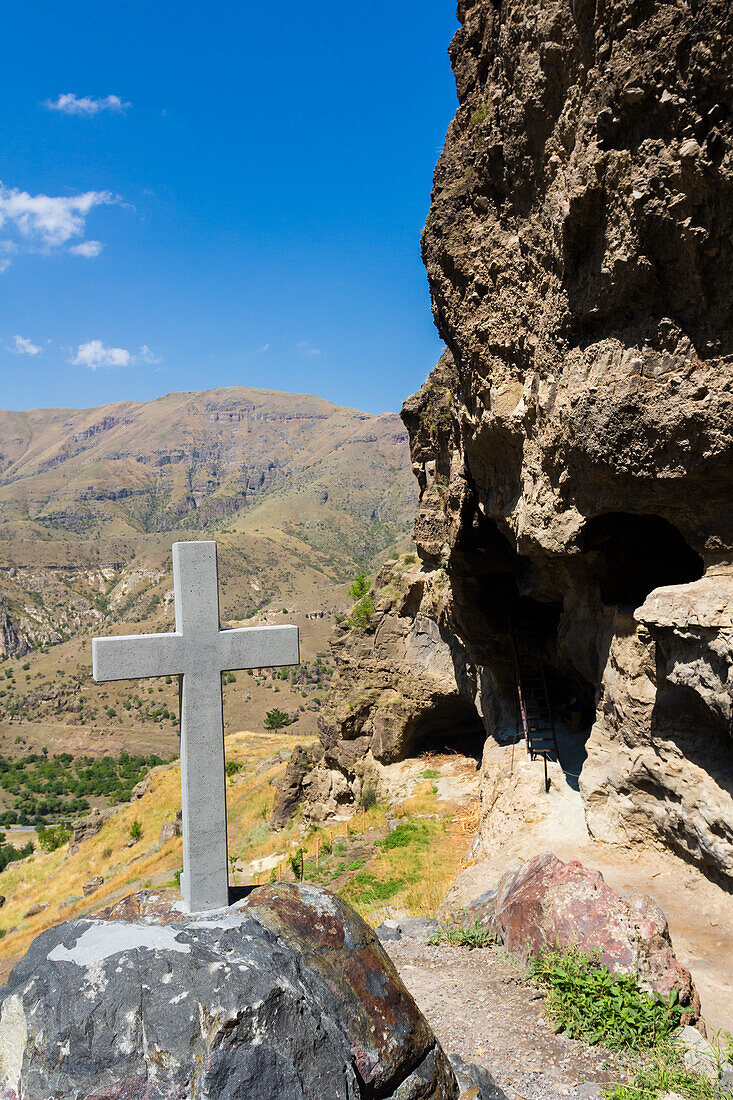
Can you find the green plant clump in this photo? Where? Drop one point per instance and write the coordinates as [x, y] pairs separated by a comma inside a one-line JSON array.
[[464, 935], [136, 830], [51, 838], [407, 833], [589, 1002]]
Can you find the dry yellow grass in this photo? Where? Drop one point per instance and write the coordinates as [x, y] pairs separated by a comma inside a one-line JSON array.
[[56, 878], [415, 875]]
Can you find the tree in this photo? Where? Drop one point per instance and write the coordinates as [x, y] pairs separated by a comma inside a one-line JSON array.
[[276, 719], [359, 588]]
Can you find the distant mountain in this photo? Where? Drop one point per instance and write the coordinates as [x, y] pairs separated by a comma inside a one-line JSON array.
[[299, 493]]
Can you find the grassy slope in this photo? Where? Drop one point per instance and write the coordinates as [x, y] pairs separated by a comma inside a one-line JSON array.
[[411, 876]]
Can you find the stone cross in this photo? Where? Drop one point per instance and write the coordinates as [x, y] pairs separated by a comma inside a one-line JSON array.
[[198, 653]]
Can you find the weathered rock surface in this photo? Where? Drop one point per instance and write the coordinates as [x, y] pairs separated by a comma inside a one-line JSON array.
[[574, 447], [286, 995], [13, 641], [546, 903], [89, 825]]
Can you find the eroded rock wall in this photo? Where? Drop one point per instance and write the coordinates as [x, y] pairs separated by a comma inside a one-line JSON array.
[[574, 446]]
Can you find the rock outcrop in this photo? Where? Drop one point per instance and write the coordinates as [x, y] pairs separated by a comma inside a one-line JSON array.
[[574, 446], [287, 995], [13, 641], [547, 904]]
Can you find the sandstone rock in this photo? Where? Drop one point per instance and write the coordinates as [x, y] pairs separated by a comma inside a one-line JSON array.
[[92, 885], [299, 1000], [700, 1057], [574, 446], [169, 830], [546, 903], [89, 826], [36, 909]]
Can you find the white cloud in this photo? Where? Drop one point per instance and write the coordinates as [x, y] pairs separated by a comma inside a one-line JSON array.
[[148, 356], [307, 349], [94, 354], [4, 265], [51, 219], [89, 249], [22, 346], [70, 104]]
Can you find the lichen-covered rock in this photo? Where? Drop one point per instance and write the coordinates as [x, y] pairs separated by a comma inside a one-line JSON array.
[[574, 446], [547, 904], [287, 995]]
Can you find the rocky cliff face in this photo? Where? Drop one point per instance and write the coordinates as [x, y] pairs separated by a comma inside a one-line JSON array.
[[574, 447]]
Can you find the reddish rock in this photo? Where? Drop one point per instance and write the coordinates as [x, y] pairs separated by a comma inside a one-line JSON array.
[[547, 904]]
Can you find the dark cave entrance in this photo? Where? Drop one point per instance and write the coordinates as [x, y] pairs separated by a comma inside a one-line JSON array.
[[631, 555], [451, 724]]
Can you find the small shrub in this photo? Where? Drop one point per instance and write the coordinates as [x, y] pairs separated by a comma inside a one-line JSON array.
[[276, 719], [231, 768], [296, 863], [589, 1002], [53, 837], [361, 614], [107, 853], [431, 773], [136, 830], [359, 588], [368, 796]]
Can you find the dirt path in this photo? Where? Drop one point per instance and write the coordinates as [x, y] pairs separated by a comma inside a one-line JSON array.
[[524, 821], [480, 1008]]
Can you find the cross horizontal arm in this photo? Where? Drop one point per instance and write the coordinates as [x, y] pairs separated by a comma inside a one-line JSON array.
[[130, 657], [258, 647]]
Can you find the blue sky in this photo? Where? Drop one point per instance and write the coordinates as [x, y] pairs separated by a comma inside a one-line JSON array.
[[226, 194]]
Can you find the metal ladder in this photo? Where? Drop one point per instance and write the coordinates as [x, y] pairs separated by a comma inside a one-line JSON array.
[[533, 706]]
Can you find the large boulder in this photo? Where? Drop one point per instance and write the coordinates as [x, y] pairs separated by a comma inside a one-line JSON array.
[[547, 904], [286, 995]]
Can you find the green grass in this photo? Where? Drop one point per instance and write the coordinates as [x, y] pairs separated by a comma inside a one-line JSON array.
[[662, 1071], [408, 834], [587, 1001], [431, 773]]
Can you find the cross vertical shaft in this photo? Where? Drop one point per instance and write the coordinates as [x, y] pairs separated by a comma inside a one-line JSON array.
[[205, 878]]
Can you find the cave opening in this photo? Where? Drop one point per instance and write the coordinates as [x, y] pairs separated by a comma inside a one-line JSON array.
[[492, 582], [451, 724], [631, 555]]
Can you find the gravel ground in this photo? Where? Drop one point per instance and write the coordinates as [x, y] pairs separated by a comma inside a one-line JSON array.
[[480, 1008]]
